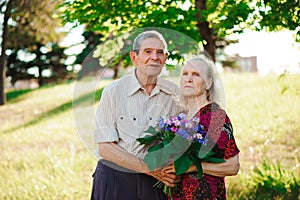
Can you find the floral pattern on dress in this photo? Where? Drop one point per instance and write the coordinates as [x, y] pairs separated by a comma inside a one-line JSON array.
[[220, 137]]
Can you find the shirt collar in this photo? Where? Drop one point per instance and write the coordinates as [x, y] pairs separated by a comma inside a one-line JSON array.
[[134, 85]]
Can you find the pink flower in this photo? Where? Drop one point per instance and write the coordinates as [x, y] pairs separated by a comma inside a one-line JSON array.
[[174, 129]]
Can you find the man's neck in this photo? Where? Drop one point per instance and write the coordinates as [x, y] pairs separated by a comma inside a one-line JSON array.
[[148, 83]]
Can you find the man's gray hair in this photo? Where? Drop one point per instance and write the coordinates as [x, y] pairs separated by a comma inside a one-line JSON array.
[[148, 34]]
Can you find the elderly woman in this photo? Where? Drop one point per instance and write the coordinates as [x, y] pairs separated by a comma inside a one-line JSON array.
[[201, 92]]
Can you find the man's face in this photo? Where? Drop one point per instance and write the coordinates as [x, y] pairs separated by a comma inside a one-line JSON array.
[[150, 58]]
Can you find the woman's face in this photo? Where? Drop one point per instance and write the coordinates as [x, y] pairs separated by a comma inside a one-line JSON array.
[[192, 82]]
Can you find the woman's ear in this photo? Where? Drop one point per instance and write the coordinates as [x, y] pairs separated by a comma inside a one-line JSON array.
[[208, 84]]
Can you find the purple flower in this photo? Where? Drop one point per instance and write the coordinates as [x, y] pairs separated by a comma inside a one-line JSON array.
[[183, 133], [161, 122], [203, 141], [181, 116]]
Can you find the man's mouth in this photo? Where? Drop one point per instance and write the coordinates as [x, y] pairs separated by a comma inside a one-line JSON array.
[[154, 65]]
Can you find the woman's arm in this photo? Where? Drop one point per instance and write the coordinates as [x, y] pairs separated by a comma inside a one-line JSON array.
[[230, 167]]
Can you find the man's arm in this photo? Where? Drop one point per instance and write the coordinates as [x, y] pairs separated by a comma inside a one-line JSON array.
[[112, 152]]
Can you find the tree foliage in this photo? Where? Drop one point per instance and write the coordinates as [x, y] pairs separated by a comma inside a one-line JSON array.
[[206, 21], [50, 60], [32, 21], [27, 24]]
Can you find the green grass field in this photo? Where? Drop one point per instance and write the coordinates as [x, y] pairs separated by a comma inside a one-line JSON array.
[[42, 156]]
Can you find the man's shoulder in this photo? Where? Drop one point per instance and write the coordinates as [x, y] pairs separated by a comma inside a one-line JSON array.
[[168, 86], [117, 83]]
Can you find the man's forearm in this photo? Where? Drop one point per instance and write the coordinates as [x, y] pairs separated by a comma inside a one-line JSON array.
[[115, 154], [112, 152]]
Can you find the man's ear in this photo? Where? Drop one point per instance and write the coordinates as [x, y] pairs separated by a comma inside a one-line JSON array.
[[132, 55], [166, 55]]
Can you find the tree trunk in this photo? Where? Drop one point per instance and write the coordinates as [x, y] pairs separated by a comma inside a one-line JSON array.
[[3, 59], [116, 72], [204, 30], [41, 79]]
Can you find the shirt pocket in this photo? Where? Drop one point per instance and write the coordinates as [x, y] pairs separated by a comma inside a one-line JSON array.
[[131, 126]]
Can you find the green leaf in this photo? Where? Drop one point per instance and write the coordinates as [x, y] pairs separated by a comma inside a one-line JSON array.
[[202, 154], [213, 160], [156, 159], [151, 130], [206, 154], [156, 147], [197, 162], [182, 164], [147, 139]]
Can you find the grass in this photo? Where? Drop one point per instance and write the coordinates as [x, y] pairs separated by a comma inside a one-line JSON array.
[[43, 157]]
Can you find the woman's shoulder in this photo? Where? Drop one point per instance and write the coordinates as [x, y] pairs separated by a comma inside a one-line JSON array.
[[213, 108]]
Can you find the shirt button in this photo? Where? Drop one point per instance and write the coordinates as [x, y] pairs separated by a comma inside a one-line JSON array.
[[134, 118], [121, 117], [150, 118]]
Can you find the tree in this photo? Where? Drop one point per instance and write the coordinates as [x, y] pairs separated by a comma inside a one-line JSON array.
[[91, 40], [26, 22], [206, 21], [50, 59], [3, 49]]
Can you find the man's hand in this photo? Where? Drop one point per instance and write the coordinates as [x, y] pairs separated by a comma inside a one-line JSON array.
[[169, 179]]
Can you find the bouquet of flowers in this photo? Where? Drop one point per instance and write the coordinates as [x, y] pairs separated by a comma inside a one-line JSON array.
[[177, 140]]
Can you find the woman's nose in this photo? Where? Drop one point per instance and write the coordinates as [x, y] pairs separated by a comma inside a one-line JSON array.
[[189, 78]]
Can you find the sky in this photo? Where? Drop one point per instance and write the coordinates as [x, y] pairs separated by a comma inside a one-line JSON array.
[[275, 51]]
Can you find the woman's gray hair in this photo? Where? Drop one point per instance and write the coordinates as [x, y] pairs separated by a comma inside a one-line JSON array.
[[148, 34], [216, 90]]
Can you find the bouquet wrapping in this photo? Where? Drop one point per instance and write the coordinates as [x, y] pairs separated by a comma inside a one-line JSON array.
[[179, 141]]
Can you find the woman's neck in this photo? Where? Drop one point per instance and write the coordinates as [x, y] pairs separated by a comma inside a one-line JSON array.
[[195, 103]]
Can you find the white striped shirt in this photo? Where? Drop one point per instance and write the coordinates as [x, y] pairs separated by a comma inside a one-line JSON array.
[[125, 111]]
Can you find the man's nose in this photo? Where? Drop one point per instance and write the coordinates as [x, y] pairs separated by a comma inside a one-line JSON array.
[[154, 55]]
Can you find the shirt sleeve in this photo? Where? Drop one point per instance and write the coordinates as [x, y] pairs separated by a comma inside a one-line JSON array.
[[226, 143], [230, 146], [223, 135], [105, 118]]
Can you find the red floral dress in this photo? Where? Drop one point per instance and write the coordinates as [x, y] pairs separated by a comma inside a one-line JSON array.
[[219, 130]]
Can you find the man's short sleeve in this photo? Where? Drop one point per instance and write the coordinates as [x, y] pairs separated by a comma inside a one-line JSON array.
[[105, 118]]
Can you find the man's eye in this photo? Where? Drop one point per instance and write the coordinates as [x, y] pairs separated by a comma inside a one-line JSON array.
[[148, 51]]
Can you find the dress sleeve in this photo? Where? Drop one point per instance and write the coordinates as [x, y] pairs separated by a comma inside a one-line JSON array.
[[222, 134], [105, 118]]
